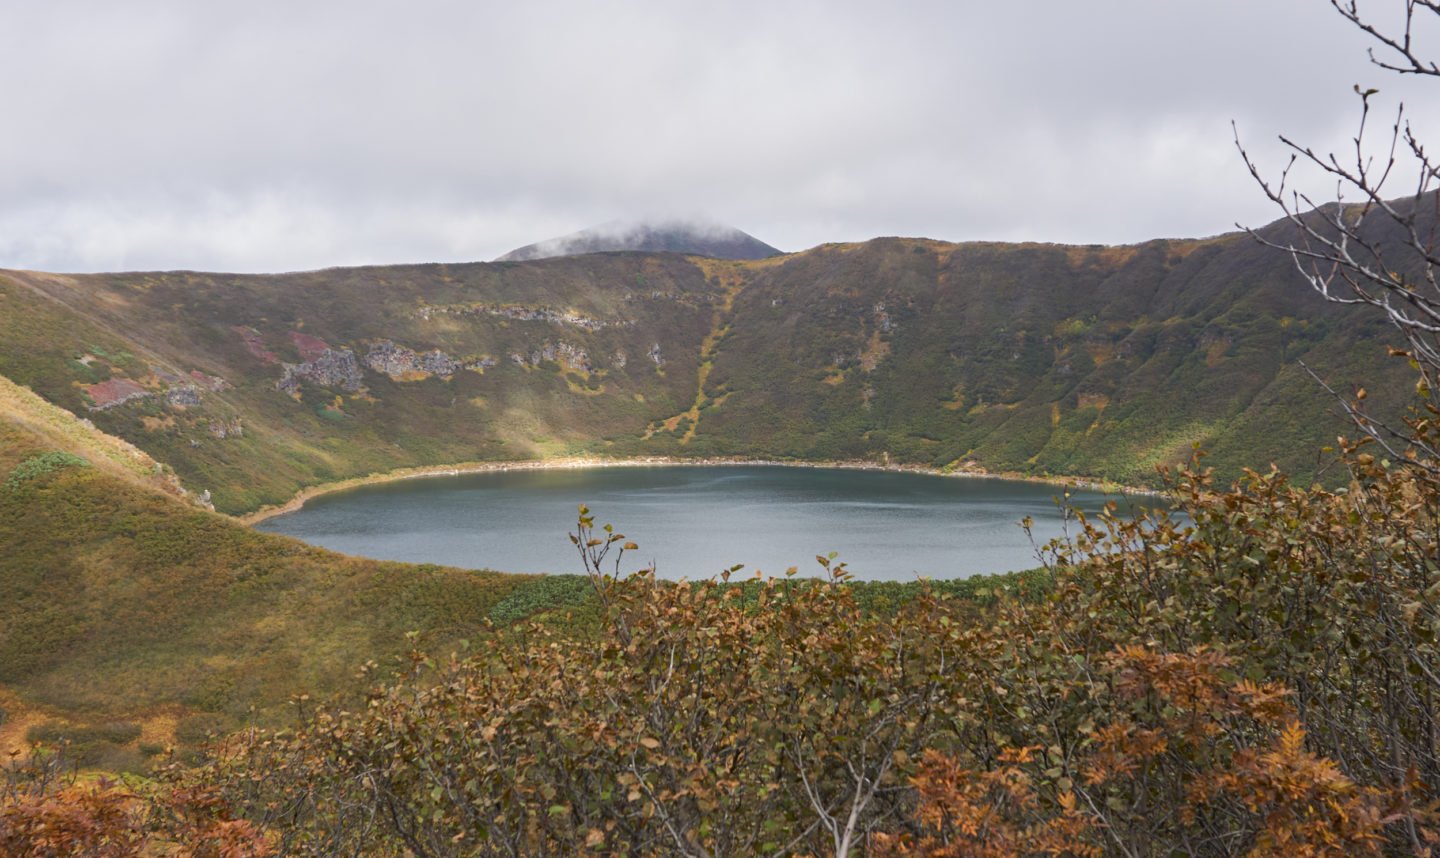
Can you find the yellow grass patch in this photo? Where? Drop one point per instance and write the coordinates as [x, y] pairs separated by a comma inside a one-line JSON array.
[[875, 351], [1101, 353], [1215, 352]]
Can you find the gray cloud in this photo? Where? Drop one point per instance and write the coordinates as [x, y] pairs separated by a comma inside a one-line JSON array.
[[273, 136]]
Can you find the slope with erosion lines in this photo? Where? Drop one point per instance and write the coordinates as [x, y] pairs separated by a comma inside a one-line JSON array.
[[1042, 359]]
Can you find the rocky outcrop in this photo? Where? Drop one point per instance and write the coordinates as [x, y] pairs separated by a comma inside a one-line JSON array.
[[390, 359], [654, 355], [404, 364], [223, 429], [330, 368], [688, 299], [212, 383], [438, 363], [882, 319], [568, 355], [522, 313], [183, 395], [185, 391]]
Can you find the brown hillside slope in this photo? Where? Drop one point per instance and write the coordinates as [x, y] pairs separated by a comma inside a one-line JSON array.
[[120, 602], [1041, 359]]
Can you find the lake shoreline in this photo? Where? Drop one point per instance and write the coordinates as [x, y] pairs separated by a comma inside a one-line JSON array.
[[588, 462]]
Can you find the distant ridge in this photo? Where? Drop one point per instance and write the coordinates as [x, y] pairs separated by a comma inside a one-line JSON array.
[[695, 238]]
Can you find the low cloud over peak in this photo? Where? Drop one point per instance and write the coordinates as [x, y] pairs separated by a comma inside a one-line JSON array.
[[698, 237]]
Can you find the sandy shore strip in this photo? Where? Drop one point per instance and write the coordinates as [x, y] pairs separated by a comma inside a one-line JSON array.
[[573, 462]]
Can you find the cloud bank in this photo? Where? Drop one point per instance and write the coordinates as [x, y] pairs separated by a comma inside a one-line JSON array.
[[274, 136]]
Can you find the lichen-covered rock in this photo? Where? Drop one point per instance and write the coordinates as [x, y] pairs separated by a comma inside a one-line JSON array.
[[438, 363], [882, 319], [183, 395], [404, 364], [522, 313], [573, 356], [391, 359], [331, 368]]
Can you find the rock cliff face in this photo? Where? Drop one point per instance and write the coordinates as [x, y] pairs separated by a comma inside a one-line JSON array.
[[566, 354], [522, 313], [404, 364], [330, 368], [183, 395]]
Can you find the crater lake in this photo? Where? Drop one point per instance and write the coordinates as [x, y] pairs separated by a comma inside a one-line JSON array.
[[693, 521]]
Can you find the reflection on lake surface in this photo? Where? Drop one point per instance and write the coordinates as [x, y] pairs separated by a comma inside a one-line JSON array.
[[694, 521]]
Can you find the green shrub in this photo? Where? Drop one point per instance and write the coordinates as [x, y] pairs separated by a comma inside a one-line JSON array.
[[44, 463], [543, 594]]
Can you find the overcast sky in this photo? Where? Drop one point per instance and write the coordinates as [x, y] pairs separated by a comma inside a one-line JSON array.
[[260, 136]]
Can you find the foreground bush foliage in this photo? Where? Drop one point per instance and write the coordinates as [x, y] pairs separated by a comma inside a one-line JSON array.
[[46, 812], [1253, 673]]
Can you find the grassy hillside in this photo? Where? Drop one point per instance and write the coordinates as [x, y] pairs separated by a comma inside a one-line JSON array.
[[128, 613], [1043, 359]]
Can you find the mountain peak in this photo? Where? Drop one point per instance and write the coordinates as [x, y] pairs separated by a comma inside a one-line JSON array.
[[694, 237]]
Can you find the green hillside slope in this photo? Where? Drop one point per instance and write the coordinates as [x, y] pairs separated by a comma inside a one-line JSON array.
[[1042, 359], [122, 603]]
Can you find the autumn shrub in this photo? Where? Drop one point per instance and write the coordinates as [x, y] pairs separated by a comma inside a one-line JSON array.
[[1251, 674], [46, 811], [699, 722]]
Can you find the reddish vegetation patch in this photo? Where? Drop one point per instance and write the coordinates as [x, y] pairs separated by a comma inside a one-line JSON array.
[[256, 345], [108, 394], [310, 347]]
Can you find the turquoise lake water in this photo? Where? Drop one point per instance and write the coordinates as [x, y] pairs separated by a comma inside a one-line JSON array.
[[694, 521]]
